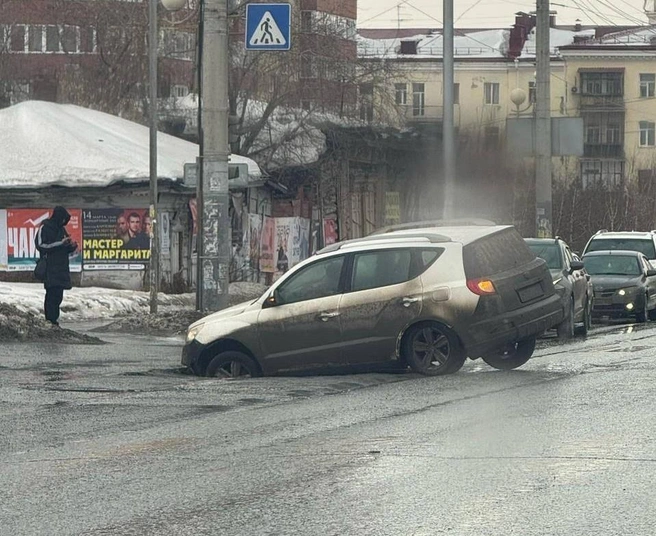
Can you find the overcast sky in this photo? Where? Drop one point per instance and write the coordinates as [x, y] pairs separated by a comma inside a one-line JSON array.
[[494, 13]]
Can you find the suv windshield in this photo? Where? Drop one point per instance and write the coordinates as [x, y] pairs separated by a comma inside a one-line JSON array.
[[643, 245], [550, 253], [612, 265]]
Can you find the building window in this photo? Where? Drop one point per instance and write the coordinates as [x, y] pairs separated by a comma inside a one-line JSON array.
[[179, 91], [418, 100], [69, 39], [602, 173], [456, 93], [602, 84], [52, 39], [307, 18], [367, 102], [87, 40], [647, 85], [17, 36], [491, 93], [613, 134], [647, 134], [532, 92], [35, 39], [401, 94], [593, 134]]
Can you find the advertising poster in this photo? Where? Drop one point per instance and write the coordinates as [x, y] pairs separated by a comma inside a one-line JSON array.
[[252, 237], [267, 245], [283, 244], [300, 245], [3, 240], [329, 231], [116, 239], [165, 233], [22, 226]]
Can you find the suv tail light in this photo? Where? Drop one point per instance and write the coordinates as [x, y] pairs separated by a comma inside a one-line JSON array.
[[481, 287]]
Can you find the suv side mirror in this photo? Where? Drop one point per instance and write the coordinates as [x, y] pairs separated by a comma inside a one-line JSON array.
[[273, 300], [651, 272], [576, 265]]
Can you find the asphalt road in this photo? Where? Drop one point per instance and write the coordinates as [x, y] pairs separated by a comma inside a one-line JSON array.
[[114, 440]]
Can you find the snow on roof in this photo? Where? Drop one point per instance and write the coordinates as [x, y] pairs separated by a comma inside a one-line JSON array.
[[644, 37], [557, 38], [45, 144], [473, 44]]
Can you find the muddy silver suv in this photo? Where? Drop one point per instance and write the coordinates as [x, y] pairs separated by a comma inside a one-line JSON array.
[[424, 296]]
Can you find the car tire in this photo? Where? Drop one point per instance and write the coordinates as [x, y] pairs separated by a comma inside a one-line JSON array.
[[512, 356], [587, 318], [432, 349], [643, 315], [566, 328], [231, 364]]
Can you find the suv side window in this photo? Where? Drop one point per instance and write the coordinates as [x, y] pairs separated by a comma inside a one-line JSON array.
[[375, 269], [318, 280], [568, 256]]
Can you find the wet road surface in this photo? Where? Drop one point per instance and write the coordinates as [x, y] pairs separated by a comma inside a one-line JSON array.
[[114, 440]]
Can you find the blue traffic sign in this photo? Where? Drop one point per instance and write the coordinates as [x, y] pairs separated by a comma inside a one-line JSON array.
[[268, 26]]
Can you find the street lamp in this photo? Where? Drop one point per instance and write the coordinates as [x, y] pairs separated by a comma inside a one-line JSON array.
[[153, 45]]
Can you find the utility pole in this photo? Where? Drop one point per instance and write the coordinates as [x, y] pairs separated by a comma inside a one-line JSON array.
[[543, 200], [153, 112], [448, 128], [214, 225]]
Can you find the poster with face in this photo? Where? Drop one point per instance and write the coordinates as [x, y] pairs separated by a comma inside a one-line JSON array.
[[252, 239], [22, 226], [116, 239]]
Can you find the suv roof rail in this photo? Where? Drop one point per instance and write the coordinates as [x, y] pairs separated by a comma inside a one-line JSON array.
[[432, 238], [432, 223], [601, 231]]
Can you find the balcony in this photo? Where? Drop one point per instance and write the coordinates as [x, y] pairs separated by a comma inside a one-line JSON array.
[[597, 103], [603, 150]]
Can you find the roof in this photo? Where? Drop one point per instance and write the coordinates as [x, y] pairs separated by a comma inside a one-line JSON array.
[[648, 235], [46, 144], [632, 38], [622, 252]]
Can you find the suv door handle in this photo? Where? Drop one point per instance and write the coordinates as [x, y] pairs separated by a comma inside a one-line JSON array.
[[407, 302], [327, 316]]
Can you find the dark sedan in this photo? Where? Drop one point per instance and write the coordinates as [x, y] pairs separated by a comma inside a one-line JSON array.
[[624, 284]]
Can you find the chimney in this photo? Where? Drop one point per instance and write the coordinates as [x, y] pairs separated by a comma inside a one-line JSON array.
[[578, 27], [519, 33], [552, 19], [650, 11]]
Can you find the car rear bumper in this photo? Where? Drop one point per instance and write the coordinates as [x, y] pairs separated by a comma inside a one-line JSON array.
[[482, 337]]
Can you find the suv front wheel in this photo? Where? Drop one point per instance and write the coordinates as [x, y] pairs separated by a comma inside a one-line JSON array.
[[512, 356], [433, 350]]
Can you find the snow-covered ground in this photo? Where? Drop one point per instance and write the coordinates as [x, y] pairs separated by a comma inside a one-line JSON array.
[[91, 303]]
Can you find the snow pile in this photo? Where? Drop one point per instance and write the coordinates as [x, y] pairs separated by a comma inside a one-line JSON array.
[[47, 144], [20, 326], [90, 303], [176, 311]]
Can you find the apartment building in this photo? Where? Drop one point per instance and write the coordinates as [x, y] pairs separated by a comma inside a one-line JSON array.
[[89, 53], [612, 86], [606, 75]]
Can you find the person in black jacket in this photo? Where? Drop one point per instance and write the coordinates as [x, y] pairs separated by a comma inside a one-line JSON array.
[[53, 242]]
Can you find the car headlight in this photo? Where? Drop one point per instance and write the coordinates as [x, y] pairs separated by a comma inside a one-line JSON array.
[[192, 333], [626, 291]]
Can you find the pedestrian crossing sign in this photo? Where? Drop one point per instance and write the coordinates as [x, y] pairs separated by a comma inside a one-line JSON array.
[[268, 26]]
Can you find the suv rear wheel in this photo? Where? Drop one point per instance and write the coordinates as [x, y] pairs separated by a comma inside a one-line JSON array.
[[433, 350], [512, 356]]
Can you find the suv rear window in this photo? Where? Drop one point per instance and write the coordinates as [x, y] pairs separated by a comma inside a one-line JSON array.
[[496, 253], [643, 245]]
